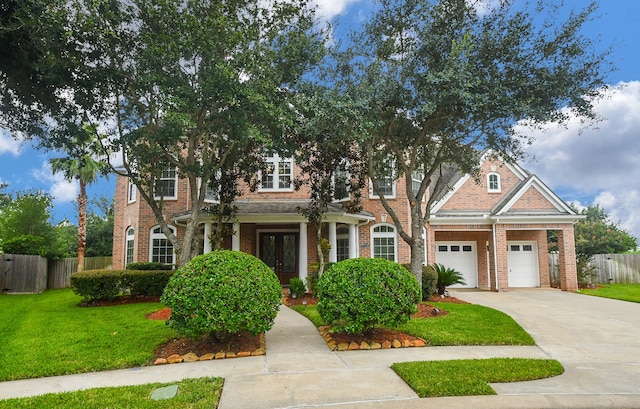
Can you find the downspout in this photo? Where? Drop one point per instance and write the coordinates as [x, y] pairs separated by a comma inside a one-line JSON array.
[[495, 255]]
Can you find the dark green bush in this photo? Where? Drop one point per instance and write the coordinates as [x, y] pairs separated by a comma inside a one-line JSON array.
[[356, 295], [429, 280], [296, 287], [93, 285], [221, 293], [148, 265], [26, 244]]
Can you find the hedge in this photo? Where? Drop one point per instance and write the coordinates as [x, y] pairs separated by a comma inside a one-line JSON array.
[[94, 285]]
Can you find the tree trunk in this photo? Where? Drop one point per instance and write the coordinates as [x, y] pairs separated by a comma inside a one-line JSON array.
[[82, 225]]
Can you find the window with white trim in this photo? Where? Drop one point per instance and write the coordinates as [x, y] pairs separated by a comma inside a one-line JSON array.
[[383, 238], [493, 182], [385, 180], [161, 249], [416, 180], [166, 186], [130, 246], [341, 183], [278, 174], [132, 192]]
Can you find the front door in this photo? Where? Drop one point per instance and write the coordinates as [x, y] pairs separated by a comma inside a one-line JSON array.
[[280, 252]]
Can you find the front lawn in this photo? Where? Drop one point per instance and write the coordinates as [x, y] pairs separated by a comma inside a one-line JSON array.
[[48, 334], [192, 394], [623, 292], [467, 377], [465, 324]]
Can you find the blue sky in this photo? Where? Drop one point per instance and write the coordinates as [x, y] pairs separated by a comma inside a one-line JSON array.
[[598, 165]]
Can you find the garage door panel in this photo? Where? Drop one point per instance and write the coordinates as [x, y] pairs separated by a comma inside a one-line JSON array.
[[461, 256], [522, 262]]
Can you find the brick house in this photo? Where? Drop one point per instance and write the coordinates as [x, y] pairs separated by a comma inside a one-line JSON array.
[[494, 232]]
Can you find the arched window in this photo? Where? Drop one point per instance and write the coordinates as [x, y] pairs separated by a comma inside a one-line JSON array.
[[493, 182], [130, 240], [161, 249], [383, 239]]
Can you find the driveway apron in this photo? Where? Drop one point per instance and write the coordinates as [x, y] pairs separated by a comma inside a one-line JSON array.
[[597, 340]]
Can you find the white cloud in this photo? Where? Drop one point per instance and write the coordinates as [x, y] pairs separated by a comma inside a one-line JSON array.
[[328, 9], [62, 190], [601, 163], [8, 144]]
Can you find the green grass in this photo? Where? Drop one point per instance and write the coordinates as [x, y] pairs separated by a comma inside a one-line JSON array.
[[624, 292], [467, 377], [192, 394], [48, 334], [466, 324]]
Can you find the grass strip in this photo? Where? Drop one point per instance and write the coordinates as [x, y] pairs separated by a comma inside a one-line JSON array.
[[192, 394], [48, 334], [466, 377], [623, 292], [465, 324]]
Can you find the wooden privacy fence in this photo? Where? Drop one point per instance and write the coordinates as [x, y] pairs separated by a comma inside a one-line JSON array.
[[33, 274], [21, 273], [614, 268], [60, 270]]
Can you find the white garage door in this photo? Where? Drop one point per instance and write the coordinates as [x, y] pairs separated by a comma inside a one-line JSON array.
[[522, 261], [461, 256]]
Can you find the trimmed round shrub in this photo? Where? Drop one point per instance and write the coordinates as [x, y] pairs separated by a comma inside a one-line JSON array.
[[222, 293], [356, 295]]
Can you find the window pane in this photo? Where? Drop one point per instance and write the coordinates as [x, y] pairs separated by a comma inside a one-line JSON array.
[[455, 248], [527, 247], [443, 248], [515, 248], [466, 248]]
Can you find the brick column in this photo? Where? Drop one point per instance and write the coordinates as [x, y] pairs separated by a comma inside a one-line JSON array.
[[543, 259], [431, 244], [567, 259], [500, 251]]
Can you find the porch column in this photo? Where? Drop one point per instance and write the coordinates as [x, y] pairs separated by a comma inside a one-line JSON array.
[[353, 240], [567, 259], [500, 258], [235, 239], [333, 252], [302, 252], [207, 240]]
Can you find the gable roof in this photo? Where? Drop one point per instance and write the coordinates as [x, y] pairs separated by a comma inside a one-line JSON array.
[[509, 207]]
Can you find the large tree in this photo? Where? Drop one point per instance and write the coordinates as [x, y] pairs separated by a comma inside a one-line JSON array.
[[446, 81], [597, 234], [199, 88]]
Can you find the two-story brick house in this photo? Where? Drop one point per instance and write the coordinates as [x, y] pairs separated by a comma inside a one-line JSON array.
[[494, 232]]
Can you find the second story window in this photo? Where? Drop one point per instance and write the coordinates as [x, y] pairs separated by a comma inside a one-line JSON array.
[[493, 182], [341, 184], [132, 191], [416, 180], [166, 186], [278, 174], [386, 181]]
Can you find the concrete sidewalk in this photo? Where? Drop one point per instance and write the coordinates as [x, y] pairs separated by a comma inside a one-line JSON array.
[[300, 371]]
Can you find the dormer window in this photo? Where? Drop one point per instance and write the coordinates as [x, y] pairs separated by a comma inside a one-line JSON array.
[[493, 182]]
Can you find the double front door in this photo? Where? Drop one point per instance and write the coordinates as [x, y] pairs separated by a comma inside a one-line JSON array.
[[280, 252]]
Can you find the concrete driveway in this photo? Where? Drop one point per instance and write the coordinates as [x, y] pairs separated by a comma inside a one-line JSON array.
[[597, 340]]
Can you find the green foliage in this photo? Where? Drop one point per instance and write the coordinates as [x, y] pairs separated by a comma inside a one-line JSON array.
[[94, 285], [596, 234], [148, 265], [221, 293], [355, 295], [447, 276], [468, 377], [296, 286], [429, 280], [26, 244], [100, 228]]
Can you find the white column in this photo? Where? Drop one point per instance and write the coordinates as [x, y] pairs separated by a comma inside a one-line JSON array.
[[207, 241], [302, 256], [353, 240], [333, 252], [235, 239]]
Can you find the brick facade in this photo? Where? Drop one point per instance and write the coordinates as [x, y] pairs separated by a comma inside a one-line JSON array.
[[523, 210]]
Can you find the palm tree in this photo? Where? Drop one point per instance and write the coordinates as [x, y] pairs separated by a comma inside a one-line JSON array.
[[447, 276], [82, 165]]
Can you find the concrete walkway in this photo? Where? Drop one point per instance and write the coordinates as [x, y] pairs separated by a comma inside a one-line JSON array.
[[598, 342]]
